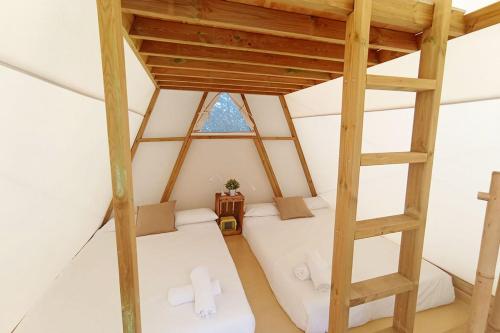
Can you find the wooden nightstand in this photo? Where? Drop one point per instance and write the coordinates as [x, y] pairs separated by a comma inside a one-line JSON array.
[[226, 205]]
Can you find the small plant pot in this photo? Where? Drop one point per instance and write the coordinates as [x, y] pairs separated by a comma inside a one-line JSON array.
[[232, 193]]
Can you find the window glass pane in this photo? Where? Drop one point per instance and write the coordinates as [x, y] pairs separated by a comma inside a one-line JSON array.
[[225, 117]]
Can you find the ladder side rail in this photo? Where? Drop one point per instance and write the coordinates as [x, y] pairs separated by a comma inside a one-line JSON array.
[[353, 101], [432, 59]]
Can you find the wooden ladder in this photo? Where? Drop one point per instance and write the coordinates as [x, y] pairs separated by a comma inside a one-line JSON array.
[[404, 283]]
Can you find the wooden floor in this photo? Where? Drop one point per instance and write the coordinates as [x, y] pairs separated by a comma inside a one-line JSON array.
[[271, 318]]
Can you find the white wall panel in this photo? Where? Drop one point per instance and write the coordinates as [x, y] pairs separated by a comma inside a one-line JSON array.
[[209, 163], [59, 41], [152, 166], [268, 115], [55, 184], [173, 113], [287, 168]]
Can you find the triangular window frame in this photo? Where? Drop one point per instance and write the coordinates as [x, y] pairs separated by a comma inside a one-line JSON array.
[[207, 112]]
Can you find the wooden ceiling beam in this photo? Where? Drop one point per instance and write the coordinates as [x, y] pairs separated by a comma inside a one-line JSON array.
[[158, 72], [238, 68], [192, 34], [212, 89], [483, 18], [179, 79], [402, 15], [194, 52], [218, 87], [228, 15]]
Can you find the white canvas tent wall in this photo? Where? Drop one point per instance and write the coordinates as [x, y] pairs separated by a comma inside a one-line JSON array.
[[55, 164], [54, 176]]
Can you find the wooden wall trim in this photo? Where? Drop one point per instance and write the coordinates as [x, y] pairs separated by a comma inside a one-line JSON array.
[[264, 157], [298, 146], [115, 93], [183, 152]]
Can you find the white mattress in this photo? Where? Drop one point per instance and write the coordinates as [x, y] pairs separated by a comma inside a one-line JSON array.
[[85, 297], [281, 245]]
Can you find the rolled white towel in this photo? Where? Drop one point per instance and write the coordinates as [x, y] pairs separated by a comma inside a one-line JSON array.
[[204, 303], [301, 272], [319, 270], [185, 294]]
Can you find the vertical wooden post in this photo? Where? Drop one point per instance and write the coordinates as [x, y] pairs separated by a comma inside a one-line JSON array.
[[353, 103], [183, 152], [261, 149], [137, 139], [432, 58], [298, 147], [115, 91], [485, 275]]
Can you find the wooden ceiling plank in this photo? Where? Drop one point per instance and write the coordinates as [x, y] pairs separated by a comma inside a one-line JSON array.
[[160, 71], [169, 78], [172, 50], [213, 89], [224, 14], [191, 34], [222, 87], [238, 68], [400, 15]]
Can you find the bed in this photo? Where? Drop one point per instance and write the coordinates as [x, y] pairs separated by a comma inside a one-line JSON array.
[[281, 245], [85, 297]]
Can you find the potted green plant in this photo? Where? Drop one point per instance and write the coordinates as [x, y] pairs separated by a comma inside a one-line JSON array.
[[232, 185]]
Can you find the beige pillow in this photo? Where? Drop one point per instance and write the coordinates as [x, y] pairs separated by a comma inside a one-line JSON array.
[[155, 219], [292, 208]]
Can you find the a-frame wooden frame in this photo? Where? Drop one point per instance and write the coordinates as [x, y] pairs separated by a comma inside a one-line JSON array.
[[189, 138]]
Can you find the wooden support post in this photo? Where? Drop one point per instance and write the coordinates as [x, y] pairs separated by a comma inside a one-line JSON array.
[[494, 319], [432, 59], [115, 92], [298, 147], [183, 152], [135, 146], [353, 102], [261, 149], [486, 266]]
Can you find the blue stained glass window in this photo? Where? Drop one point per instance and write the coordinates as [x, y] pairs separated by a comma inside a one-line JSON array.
[[225, 117]]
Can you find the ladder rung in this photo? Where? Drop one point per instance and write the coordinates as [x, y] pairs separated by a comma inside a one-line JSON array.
[[392, 158], [379, 287], [381, 82], [385, 225]]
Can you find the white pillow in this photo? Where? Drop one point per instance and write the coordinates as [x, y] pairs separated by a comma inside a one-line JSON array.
[[261, 209], [190, 216], [316, 203]]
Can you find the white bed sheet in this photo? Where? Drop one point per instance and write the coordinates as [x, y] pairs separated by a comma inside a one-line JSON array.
[[85, 297], [281, 245]]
